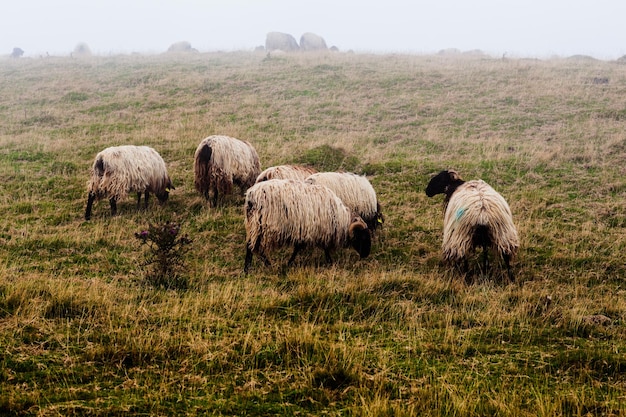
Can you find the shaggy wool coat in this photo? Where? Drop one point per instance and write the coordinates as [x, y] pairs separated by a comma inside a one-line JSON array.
[[475, 203], [287, 212], [119, 170], [286, 172], [232, 161], [355, 191]]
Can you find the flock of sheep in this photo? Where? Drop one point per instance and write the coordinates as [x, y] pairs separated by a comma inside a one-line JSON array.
[[296, 206]]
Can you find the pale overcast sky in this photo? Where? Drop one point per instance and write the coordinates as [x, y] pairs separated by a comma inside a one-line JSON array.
[[537, 28]]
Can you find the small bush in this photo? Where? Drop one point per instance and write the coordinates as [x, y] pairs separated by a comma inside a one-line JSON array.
[[165, 258]]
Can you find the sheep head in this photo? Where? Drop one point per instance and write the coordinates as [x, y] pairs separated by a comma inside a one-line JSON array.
[[165, 194], [380, 217], [360, 236], [444, 183]]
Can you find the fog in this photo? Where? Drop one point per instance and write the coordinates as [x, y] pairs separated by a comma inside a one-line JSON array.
[[524, 28]]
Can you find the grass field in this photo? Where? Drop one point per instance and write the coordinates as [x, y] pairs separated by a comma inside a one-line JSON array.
[[395, 334]]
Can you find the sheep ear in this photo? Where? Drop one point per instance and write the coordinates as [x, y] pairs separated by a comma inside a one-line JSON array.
[[380, 218], [454, 176], [356, 224]]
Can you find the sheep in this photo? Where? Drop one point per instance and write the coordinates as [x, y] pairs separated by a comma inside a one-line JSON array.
[[119, 170], [356, 192], [220, 162], [282, 213], [475, 215], [286, 172]]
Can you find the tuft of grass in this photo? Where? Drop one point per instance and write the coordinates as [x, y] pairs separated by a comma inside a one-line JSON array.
[[328, 158]]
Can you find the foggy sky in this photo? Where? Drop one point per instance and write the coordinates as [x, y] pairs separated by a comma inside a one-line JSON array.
[[525, 28]]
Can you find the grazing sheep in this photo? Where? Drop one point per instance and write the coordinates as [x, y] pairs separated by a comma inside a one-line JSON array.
[[475, 216], [119, 170], [356, 192], [286, 172], [220, 162], [287, 212]]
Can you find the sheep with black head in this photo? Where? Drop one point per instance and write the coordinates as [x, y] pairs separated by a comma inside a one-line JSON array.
[[282, 213], [475, 215]]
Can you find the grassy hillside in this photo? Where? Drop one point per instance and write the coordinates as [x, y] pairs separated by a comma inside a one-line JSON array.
[[395, 334]]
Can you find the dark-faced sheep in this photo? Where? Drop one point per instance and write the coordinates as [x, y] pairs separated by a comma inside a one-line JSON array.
[[221, 162], [356, 192], [292, 213], [286, 172], [119, 170], [475, 215]]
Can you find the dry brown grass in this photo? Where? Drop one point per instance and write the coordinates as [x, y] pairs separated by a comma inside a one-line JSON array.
[[395, 334]]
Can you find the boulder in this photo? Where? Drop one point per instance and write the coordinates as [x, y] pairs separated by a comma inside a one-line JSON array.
[[80, 50], [280, 41], [182, 46], [312, 42]]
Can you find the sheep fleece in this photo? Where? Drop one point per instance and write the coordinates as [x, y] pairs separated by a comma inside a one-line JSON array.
[[354, 190], [286, 212], [125, 169], [231, 159], [286, 172], [475, 203]]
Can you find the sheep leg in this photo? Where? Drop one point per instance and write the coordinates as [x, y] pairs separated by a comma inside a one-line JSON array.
[[459, 263], [468, 275], [146, 197], [296, 249], [90, 201], [248, 261], [329, 259], [507, 262], [485, 258], [264, 258], [113, 204], [259, 252], [213, 201]]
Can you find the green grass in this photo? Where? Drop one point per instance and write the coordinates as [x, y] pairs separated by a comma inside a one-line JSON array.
[[395, 334]]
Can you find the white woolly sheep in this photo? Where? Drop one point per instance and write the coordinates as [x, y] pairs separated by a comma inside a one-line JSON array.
[[355, 191], [119, 170], [287, 212], [286, 172], [221, 162], [475, 216]]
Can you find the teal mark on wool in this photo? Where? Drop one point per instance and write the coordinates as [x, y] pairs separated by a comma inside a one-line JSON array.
[[459, 213]]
